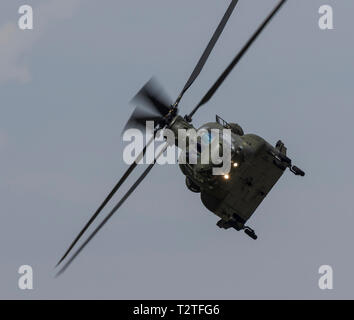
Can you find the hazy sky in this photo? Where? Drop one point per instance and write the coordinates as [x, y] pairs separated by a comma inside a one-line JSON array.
[[65, 89]]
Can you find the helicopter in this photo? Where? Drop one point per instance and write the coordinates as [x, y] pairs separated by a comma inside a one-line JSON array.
[[255, 165]]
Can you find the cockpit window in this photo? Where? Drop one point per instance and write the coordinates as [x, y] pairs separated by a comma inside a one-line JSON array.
[[207, 137]]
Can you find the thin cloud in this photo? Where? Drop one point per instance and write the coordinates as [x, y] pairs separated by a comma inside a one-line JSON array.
[[16, 45]]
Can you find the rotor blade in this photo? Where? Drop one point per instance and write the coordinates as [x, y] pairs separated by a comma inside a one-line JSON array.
[[152, 94], [227, 71], [109, 197], [208, 50], [138, 120], [152, 105], [117, 206]]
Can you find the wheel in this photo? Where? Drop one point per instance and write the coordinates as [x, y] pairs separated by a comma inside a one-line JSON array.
[[251, 234], [298, 171]]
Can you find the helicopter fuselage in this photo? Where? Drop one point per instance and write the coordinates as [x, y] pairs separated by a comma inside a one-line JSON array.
[[255, 168]]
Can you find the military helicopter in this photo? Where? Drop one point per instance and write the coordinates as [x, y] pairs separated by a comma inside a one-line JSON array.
[[256, 165]]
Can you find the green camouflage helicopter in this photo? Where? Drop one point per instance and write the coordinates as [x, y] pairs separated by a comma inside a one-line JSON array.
[[256, 165]]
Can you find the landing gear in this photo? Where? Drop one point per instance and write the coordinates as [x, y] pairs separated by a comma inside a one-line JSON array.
[[237, 226], [282, 161], [297, 171], [250, 232]]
